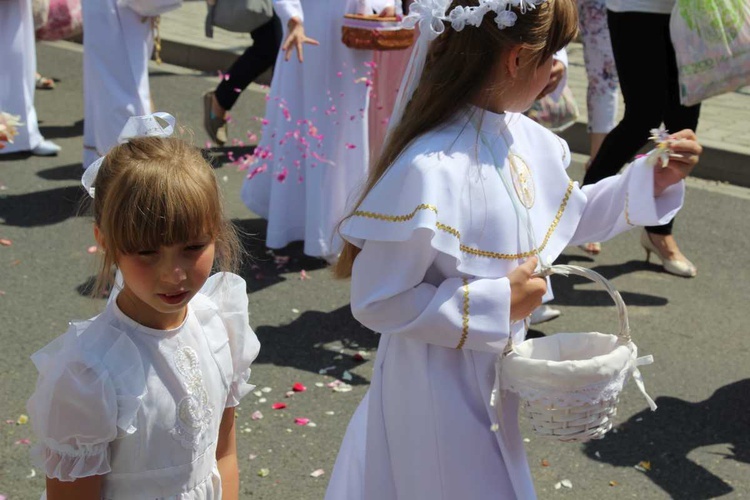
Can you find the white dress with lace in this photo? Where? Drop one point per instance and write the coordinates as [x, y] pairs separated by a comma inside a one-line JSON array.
[[142, 407]]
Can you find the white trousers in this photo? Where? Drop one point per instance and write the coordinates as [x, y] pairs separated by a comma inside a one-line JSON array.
[[17, 70], [116, 49]]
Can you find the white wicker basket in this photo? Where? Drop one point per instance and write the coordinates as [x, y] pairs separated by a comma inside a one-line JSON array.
[[569, 383]]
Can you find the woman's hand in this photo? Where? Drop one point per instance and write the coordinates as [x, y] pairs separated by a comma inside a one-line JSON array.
[[296, 39], [555, 77], [685, 154], [526, 290]]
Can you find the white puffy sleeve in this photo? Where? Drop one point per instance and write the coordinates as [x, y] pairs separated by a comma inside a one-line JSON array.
[[73, 411], [287, 9], [389, 295], [621, 202], [231, 299]]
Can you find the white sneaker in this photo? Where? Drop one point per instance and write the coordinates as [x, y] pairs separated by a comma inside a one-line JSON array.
[[543, 313], [46, 148]]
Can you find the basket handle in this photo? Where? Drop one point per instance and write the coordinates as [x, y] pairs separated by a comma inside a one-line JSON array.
[[565, 270]]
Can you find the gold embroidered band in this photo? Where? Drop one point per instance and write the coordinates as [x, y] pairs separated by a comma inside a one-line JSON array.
[[465, 317], [457, 234]]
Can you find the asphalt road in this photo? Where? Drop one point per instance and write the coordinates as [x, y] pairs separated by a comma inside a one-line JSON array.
[[695, 446]]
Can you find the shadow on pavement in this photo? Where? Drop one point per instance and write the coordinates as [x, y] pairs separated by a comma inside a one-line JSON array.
[[263, 267], [42, 208], [566, 293], [666, 437], [72, 172], [62, 132], [301, 343]]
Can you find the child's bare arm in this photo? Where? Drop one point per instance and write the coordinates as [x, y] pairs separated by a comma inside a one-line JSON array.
[[85, 488], [226, 456]]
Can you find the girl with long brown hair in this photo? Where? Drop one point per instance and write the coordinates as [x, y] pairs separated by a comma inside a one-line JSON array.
[[467, 197]]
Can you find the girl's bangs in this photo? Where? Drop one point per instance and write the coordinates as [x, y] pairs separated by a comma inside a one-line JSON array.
[[177, 213]]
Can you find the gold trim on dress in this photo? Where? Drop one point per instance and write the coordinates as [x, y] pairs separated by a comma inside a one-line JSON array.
[[457, 234], [465, 317], [627, 212]]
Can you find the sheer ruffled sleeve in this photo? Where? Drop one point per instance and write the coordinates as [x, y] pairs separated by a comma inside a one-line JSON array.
[[88, 393], [74, 415], [228, 292]]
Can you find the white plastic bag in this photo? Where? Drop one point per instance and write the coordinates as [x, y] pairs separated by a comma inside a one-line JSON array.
[[711, 39]]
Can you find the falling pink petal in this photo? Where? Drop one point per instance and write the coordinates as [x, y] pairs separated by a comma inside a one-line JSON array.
[[257, 171], [301, 421], [257, 415], [208, 145], [278, 406], [350, 146], [299, 387], [303, 275], [92, 249], [264, 121], [238, 90]]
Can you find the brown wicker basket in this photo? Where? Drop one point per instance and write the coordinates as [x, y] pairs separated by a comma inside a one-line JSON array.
[[375, 33]]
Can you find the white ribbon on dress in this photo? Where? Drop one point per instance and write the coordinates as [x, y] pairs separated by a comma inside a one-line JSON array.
[[136, 126]]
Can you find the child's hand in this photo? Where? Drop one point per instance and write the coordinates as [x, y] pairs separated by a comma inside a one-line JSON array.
[[685, 154], [296, 39], [555, 77], [387, 12], [526, 290]]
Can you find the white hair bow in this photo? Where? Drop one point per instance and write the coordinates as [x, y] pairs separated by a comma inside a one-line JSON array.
[[136, 126]]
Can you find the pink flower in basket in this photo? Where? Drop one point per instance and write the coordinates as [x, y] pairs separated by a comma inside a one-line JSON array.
[[8, 128]]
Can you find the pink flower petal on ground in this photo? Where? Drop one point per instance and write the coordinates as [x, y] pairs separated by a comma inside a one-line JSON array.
[[23, 441], [301, 421], [92, 249], [289, 394], [208, 144], [299, 387], [256, 415], [303, 275], [359, 356], [5, 242], [317, 473], [278, 406]]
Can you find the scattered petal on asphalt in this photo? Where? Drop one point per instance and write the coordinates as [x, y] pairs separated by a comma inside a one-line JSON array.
[[566, 483], [303, 275], [299, 387], [5, 242], [323, 371], [315, 473], [257, 415], [288, 394], [23, 441], [301, 421], [319, 384], [295, 310], [278, 406], [264, 472], [252, 456], [262, 400], [266, 390]]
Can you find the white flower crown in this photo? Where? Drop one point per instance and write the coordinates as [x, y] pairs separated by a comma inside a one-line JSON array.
[[431, 14]]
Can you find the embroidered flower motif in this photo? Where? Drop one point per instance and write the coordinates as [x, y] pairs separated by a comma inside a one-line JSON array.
[[194, 411]]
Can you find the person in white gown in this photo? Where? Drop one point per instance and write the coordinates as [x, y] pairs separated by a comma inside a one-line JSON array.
[[17, 77], [438, 251], [138, 402], [116, 51], [313, 152]]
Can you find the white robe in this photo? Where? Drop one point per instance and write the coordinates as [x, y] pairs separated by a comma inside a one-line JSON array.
[[17, 72], [116, 50], [303, 190], [438, 236]]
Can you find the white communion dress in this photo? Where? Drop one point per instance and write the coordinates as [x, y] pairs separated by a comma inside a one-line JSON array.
[[142, 406], [313, 153], [438, 236]]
